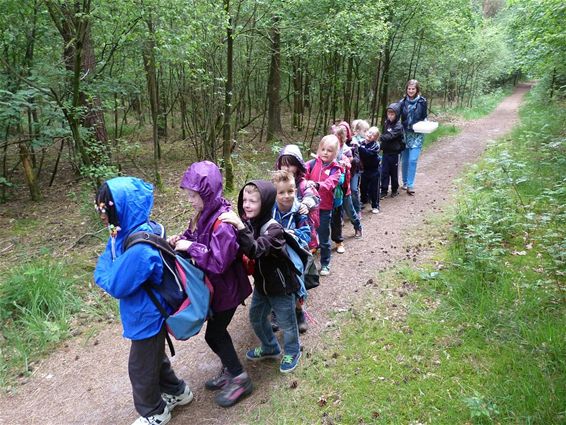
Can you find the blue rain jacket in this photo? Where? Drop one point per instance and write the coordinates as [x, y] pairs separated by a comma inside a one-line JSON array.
[[122, 274]]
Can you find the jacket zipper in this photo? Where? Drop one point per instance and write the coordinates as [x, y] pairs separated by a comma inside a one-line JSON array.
[[262, 277]]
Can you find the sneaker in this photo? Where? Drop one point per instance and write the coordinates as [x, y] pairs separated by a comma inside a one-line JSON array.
[[383, 195], [411, 191], [274, 324], [301, 321], [404, 187], [258, 354], [324, 271], [358, 233], [375, 210], [239, 387], [161, 419], [220, 381], [289, 363], [178, 400], [340, 248], [394, 194]]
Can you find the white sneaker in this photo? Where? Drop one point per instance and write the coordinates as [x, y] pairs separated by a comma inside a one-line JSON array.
[[161, 419], [178, 400], [324, 271], [340, 248], [375, 210]]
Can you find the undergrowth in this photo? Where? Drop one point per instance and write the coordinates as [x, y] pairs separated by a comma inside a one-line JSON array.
[[483, 340]]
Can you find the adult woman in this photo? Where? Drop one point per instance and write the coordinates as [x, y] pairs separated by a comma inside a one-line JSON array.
[[413, 110]]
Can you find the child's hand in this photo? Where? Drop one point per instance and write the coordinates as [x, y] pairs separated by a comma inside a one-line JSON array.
[[183, 245], [232, 218], [303, 209], [173, 240]]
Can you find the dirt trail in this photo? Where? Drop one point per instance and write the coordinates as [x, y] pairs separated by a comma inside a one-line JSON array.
[[86, 382]]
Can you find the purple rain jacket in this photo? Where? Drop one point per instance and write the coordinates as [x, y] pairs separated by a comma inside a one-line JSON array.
[[215, 251]]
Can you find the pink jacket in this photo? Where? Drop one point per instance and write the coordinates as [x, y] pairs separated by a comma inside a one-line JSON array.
[[327, 177]]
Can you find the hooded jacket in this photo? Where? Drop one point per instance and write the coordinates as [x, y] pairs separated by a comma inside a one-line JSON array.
[[306, 194], [327, 177], [392, 137], [122, 274], [215, 250], [273, 272]]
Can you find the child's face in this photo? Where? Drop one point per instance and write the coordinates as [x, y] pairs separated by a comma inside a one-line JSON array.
[[285, 195], [251, 204], [195, 200], [327, 152], [290, 168], [371, 135], [391, 115]]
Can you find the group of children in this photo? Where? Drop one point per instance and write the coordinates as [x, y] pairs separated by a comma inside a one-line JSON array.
[[304, 200]]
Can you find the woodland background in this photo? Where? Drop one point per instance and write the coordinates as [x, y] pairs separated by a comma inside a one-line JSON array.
[[91, 87]]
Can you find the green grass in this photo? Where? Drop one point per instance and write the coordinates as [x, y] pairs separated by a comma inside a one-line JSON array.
[[483, 339], [41, 302]]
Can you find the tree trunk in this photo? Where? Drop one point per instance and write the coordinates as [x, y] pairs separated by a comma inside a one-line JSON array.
[[151, 77], [348, 90], [29, 172], [274, 84], [227, 130]]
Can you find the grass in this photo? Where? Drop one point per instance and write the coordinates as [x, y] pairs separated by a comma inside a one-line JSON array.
[[40, 303], [482, 340]]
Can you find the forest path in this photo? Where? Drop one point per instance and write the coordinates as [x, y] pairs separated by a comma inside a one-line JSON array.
[[86, 381]]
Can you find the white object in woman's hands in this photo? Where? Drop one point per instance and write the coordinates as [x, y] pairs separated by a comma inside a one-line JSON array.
[[425, 126], [183, 245]]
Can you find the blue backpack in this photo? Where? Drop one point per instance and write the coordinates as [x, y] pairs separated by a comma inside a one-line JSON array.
[[185, 287]]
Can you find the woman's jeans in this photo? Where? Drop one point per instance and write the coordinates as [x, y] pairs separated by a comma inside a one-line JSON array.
[[284, 308], [409, 158], [324, 236]]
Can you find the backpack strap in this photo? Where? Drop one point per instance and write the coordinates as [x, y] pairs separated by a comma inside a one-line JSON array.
[[154, 300], [151, 239]]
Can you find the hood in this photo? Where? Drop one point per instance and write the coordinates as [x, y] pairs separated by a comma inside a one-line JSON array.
[[292, 150], [133, 200], [205, 178], [267, 195], [395, 107]]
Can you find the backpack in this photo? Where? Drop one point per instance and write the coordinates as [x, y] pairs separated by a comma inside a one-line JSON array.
[[339, 190], [302, 261], [185, 287]]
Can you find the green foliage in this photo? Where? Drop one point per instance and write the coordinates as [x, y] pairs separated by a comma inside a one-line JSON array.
[[37, 301]]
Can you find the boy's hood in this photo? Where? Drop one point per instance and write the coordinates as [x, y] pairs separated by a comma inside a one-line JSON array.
[[395, 107], [267, 194], [294, 151], [133, 200]]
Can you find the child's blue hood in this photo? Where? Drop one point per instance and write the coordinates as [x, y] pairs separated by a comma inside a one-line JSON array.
[[133, 200]]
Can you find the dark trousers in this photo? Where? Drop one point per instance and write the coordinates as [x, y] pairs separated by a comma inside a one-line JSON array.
[[336, 225], [219, 340], [151, 374], [369, 190], [389, 172]]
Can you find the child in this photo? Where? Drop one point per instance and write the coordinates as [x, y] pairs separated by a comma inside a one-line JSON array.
[[213, 247], [124, 205], [291, 159], [324, 174], [369, 155], [344, 158], [392, 145], [359, 129], [275, 280], [287, 212]]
